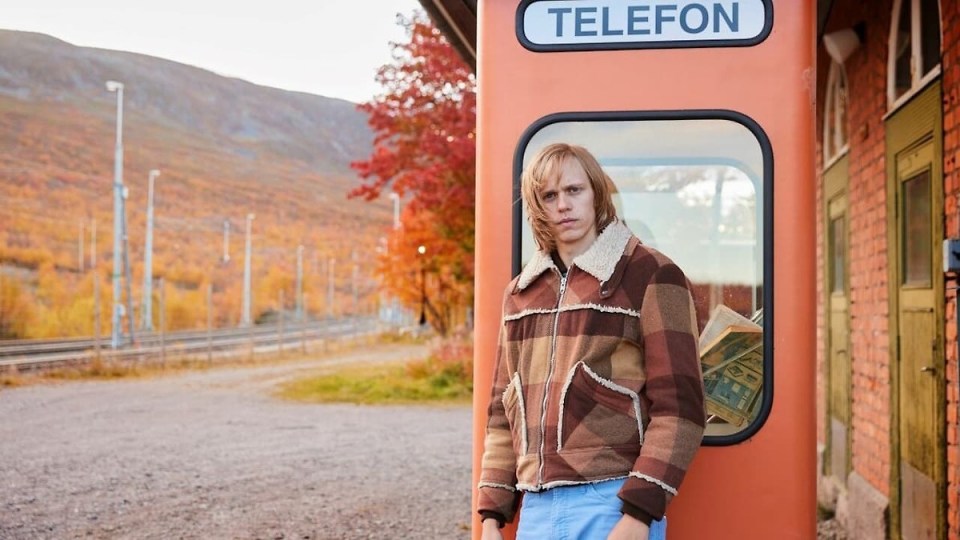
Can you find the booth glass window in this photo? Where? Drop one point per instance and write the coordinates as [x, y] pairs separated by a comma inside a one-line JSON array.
[[693, 189]]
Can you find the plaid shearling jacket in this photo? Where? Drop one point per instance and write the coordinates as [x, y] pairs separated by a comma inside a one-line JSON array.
[[597, 377]]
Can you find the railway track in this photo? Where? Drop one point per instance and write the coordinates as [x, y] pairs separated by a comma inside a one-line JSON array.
[[25, 355]]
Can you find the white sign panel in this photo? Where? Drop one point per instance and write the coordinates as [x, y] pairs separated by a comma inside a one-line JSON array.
[[638, 23]]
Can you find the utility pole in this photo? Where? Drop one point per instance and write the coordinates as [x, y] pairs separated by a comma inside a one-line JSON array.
[[303, 331], [163, 324], [114, 86], [93, 244], [280, 334], [226, 240], [80, 249], [245, 320], [330, 275], [126, 264], [300, 283], [96, 289], [209, 323], [354, 284], [147, 310]]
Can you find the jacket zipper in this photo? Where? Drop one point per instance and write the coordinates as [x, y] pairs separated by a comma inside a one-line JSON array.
[[546, 384]]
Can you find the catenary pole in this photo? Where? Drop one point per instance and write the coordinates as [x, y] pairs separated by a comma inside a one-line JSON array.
[[226, 240], [114, 86], [96, 289], [300, 283], [245, 320], [147, 311], [126, 265]]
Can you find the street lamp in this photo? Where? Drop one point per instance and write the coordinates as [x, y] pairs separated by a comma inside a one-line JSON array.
[[245, 321], [147, 323], [423, 287], [114, 86]]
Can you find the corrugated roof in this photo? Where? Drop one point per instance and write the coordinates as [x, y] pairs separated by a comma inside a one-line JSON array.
[[457, 19]]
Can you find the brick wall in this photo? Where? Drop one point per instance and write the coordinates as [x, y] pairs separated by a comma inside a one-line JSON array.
[[867, 218], [950, 65], [867, 193]]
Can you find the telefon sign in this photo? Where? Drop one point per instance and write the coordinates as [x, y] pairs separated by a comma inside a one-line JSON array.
[[561, 25]]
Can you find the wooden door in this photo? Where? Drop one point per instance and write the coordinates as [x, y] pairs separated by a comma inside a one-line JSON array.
[[836, 285], [920, 356], [839, 330]]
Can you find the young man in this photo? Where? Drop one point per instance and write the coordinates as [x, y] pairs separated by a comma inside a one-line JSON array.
[[597, 406]]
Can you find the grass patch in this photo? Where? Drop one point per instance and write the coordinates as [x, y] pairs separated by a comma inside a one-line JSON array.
[[9, 380], [401, 338], [381, 384], [446, 376]]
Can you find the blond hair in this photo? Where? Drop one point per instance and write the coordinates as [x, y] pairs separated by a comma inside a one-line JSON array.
[[545, 167]]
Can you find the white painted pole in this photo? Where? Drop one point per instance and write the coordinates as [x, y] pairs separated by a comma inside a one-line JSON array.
[[115, 331], [245, 320], [147, 311]]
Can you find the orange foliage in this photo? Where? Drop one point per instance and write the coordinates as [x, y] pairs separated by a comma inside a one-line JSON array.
[[425, 150], [16, 308], [427, 281], [55, 177]]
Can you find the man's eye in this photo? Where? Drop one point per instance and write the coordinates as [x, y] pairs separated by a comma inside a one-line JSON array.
[[549, 196], [574, 189]]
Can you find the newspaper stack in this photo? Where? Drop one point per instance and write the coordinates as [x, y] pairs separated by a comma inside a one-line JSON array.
[[731, 356]]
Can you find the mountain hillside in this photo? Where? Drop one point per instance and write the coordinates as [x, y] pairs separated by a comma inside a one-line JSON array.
[[327, 133], [225, 148]]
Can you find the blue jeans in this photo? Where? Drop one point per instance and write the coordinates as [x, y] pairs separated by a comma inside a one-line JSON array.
[[580, 512]]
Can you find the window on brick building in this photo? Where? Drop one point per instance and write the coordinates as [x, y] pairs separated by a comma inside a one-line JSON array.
[[918, 249], [835, 115], [838, 255], [914, 48]]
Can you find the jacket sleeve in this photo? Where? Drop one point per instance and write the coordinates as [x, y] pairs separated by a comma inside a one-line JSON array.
[[498, 474], [674, 392]]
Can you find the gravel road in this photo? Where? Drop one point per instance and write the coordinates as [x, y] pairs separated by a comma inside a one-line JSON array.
[[214, 455]]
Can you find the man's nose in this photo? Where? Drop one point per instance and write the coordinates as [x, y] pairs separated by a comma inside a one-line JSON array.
[[563, 203]]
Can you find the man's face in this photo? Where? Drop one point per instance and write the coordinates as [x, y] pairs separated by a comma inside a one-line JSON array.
[[568, 201]]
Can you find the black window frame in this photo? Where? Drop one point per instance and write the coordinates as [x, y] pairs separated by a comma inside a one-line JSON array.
[[766, 150]]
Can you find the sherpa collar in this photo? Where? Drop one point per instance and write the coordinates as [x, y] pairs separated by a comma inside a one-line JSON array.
[[600, 260]]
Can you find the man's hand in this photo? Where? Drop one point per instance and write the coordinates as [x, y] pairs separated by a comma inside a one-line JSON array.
[[629, 528], [491, 530]]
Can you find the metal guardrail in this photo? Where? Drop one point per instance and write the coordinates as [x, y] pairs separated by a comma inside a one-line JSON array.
[[23, 355], [30, 347]]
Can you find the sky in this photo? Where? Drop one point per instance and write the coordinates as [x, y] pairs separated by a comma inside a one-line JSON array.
[[328, 47]]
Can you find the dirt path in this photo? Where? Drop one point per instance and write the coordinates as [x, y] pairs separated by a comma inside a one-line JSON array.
[[213, 455]]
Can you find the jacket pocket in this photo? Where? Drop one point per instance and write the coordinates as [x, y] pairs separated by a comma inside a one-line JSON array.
[[597, 412], [516, 414]]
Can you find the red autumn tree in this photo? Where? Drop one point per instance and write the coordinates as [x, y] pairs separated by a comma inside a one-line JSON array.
[[425, 151]]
